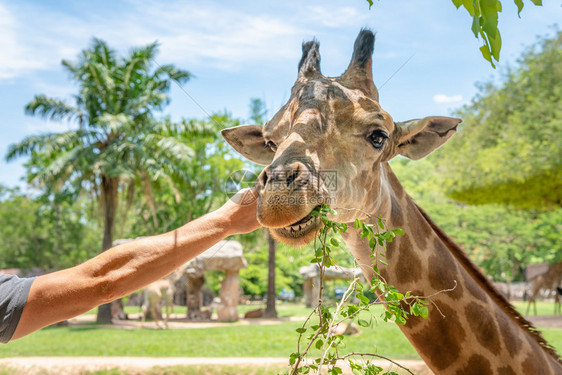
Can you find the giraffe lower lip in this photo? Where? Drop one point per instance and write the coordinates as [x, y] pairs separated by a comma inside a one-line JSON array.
[[300, 226]]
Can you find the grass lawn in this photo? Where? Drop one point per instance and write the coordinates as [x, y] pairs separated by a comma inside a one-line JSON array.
[[227, 341], [543, 308]]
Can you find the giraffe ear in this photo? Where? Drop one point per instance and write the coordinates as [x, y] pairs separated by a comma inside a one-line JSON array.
[[418, 138], [248, 141]]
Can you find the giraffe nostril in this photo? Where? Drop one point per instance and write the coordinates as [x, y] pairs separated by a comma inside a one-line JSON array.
[[263, 177]]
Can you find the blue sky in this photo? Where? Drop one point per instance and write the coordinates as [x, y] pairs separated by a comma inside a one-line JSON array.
[[244, 49]]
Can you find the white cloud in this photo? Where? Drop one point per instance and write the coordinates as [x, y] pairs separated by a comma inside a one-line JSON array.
[[15, 57], [442, 98], [189, 34]]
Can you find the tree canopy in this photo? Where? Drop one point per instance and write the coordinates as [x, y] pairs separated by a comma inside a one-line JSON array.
[[508, 149], [502, 240], [119, 143], [46, 233]]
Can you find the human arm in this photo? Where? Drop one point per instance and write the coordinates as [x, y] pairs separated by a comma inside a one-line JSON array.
[[123, 269]]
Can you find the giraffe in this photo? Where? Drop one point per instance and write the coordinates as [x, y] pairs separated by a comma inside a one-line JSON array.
[[550, 280], [331, 144], [161, 291]]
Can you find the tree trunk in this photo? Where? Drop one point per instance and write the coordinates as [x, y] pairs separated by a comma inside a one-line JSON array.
[[109, 199], [270, 311]]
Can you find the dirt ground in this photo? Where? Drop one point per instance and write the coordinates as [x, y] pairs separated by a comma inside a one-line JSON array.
[[135, 365], [549, 321]]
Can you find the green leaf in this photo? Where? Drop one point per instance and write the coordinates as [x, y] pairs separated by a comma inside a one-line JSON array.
[[334, 242], [351, 309], [343, 228], [489, 10], [457, 3], [301, 330], [519, 4], [381, 225], [486, 53], [424, 312], [496, 45], [319, 344], [357, 224], [364, 232], [469, 6], [537, 2], [363, 298], [398, 231], [362, 322], [319, 251], [293, 357]]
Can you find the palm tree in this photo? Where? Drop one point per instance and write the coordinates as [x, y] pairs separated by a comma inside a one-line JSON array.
[[118, 143]]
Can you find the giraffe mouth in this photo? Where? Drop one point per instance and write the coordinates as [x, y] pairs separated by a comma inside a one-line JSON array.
[[301, 228]]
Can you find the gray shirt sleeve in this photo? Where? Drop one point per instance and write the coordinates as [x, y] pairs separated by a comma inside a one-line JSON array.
[[13, 295]]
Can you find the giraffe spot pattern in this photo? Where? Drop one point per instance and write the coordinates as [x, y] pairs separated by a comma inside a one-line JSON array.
[[443, 271], [419, 229], [408, 269], [506, 371], [396, 213], [509, 333], [531, 365], [477, 364], [443, 352], [486, 332], [474, 288], [537, 360]]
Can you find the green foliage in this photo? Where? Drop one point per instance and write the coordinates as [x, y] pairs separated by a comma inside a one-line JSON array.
[[508, 148], [485, 15], [43, 232], [118, 144], [323, 320], [500, 239], [198, 185], [288, 261]]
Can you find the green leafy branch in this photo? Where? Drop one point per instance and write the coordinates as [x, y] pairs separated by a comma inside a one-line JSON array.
[[322, 334], [484, 15]]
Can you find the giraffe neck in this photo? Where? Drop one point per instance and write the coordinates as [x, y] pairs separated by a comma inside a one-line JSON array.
[[471, 329]]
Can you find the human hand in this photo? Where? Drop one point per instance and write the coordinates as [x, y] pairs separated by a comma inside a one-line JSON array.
[[241, 211]]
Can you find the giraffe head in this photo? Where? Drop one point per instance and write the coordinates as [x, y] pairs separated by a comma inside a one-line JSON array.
[[327, 145]]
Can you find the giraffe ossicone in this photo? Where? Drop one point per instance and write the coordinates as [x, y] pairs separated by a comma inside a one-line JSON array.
[[331, 144]]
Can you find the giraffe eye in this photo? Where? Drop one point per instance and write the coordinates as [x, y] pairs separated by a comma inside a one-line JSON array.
[[377, 138], [270, 145]]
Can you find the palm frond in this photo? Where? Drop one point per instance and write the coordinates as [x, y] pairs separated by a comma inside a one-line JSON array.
[[48, 143], [59, 170], [52, 109], [172, 72]]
